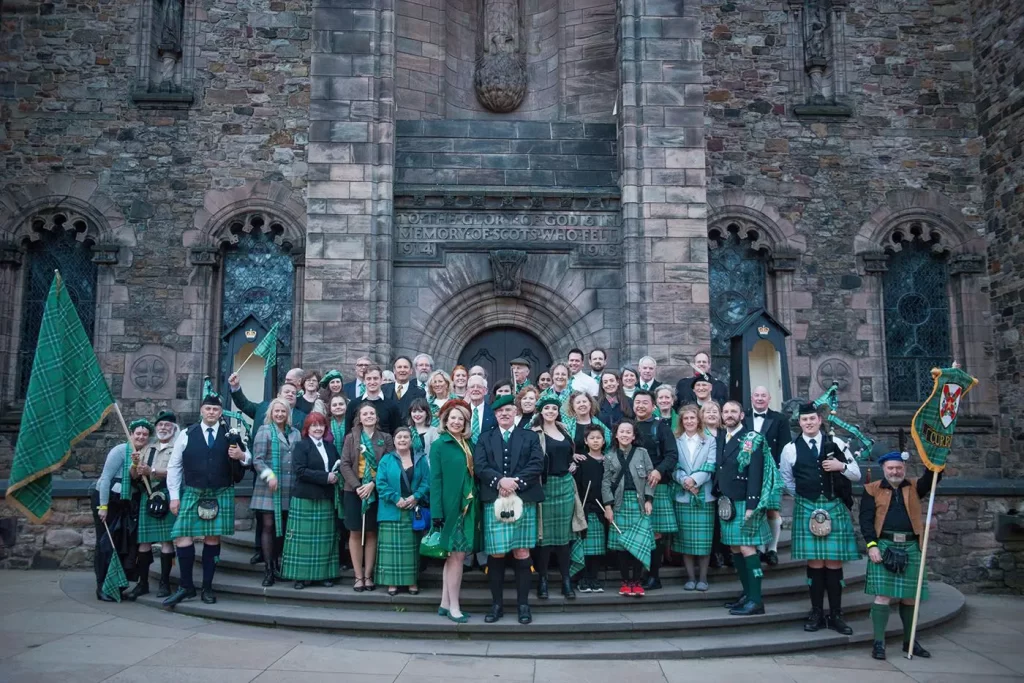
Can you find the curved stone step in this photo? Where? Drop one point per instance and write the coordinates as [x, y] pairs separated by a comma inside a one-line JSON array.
[[682, 633]]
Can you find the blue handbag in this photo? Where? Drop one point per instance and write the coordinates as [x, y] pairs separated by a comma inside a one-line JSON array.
[[420, 518]]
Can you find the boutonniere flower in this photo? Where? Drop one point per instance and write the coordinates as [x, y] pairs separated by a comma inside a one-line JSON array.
[[380, 442]]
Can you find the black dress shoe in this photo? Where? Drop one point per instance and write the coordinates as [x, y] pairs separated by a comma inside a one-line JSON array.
[[716, 560], [653, 583], [567, 590], [164, 590], [838, 624], [737, 602], [329, 583], [140, 589], [497, 612], [257, 557], [748, 608], [772, 558], [103, 597], [268, 577], [179, 595], [299, 585], [878, 650], [815, 620], [524, 614], [542, 588], [918, 650], [208, 597], [727, 561]]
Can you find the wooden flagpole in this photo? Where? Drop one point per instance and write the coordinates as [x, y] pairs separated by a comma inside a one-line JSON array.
[[124, 425]]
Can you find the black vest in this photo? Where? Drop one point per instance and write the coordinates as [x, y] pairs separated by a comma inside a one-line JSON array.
[[811, 480], [206, 467]]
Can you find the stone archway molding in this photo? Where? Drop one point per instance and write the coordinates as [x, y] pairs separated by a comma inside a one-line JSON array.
[[776, 234], [277, 199], [107, 224], [945, 225]]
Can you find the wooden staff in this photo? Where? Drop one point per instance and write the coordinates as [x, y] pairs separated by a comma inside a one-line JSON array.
[[124, 425], [920, 572]]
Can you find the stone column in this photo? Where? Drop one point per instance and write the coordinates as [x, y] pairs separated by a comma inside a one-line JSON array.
[[349, 199], [10, 274], [661, 143]]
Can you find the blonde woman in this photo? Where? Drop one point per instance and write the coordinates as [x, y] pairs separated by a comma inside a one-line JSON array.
[[272, 460], [439, 392], [694, 501]]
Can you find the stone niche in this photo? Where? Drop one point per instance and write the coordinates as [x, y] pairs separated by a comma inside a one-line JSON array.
[[149, 373]]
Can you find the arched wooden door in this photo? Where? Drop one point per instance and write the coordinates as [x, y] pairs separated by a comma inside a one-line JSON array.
[[494, 349]]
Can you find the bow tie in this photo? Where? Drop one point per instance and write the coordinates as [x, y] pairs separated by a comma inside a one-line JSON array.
[[760, 414]]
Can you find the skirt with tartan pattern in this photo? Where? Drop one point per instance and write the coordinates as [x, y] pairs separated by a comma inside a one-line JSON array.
[[556, 511], [398, 553], [153, 530], [696, 521], [502, 537], [841, 543], [311, 541], [738, 531], [188, 522], [903, 586]]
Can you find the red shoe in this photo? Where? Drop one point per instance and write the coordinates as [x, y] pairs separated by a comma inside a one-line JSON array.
[[625, 589], [638, 590]]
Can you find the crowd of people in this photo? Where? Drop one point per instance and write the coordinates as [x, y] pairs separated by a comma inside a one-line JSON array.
[[578, 463]]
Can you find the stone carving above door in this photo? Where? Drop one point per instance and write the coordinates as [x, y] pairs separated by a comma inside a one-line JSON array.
[[507, 268]]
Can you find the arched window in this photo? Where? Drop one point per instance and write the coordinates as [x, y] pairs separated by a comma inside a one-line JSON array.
[[258, 280], [917, 320], [64, 246], [737, 286]]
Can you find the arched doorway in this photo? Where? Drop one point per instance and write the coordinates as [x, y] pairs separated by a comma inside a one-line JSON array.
[[497, 346]]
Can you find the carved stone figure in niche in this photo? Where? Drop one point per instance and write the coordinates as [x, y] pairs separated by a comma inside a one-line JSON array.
[[817, 24], [500, 79], [169, 40]]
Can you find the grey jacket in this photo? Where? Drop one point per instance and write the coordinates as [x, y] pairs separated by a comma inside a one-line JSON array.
[[689, 465], [641, 466]]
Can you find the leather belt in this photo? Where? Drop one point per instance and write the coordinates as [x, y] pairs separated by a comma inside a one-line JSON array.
[[899, 537]]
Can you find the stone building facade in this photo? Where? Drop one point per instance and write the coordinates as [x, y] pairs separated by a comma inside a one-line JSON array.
[[851, 166]]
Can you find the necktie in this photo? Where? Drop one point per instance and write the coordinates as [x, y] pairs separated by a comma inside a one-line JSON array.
[[360, 389], [504, 436], [319, 445], [814, 447], [475, 424], [728, 437], [399, 391], [645, 386], [209, 437]]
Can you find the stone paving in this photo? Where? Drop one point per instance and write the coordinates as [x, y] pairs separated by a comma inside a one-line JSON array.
[[53, 629]]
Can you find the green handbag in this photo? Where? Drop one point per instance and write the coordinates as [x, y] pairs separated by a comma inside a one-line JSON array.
[[430, 546]]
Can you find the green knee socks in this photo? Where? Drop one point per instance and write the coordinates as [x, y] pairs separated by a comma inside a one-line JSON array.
[[753, 564], [879, 619], [907, 617], [740, 565]]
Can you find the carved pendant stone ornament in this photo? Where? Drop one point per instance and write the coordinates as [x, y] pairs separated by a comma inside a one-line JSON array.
[[507, 267], [500, 79]]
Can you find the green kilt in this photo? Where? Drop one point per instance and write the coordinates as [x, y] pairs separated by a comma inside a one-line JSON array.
[[753, 533], [188, 522], [556, 511], [311, 541], [627, 515], [153, 530], [502, 537], [595, 543], [663, 515], [696, 521], [840, 545], [398, 553], [903, 586]]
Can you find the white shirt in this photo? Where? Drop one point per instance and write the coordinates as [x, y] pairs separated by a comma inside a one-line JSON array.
[[479, 412], [581, 381], [175, 472], [323, 453], [404, 389], [787, 459], [759, 421]]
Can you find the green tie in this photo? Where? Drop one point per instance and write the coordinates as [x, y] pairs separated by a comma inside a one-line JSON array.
[[504, 436], [475, 424], [645, 386]]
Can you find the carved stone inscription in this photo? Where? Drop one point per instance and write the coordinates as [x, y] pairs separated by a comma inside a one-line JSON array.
[[422, 236]]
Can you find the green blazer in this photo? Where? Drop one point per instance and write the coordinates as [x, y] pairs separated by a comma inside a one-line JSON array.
[[449, 480]]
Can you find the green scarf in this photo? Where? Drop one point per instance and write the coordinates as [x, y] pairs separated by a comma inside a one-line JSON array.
[[126, 472], [275, 467], [338, 432], [417, 441], [370, 470]]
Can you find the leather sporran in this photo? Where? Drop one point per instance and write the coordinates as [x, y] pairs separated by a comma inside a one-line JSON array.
[[157, 506], [821, 523], [895, 560], [726, 510], [207, 509]]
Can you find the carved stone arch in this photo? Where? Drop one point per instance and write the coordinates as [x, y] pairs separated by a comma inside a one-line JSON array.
[[751, 217], [268, 206], [917, 215]]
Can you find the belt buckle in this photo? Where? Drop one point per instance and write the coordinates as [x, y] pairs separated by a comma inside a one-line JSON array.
[[899, 538]]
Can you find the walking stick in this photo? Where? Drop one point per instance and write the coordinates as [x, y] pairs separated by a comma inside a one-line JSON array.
[[362, 534], [124, 426], [920, 573]]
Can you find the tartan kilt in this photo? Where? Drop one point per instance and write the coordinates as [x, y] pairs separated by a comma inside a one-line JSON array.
[[152, 530], [663, 516], [556, 511], [311, 541], [696, 521], [903, 586], [627, 515], [754, 533], [840, 545], [188, 522], [398, 553], [502, 537], [595, 542]]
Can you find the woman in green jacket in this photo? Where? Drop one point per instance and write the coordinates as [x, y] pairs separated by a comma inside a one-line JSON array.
[[403, 478], [454, 501]]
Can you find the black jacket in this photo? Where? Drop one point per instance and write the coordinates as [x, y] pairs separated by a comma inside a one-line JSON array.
[[387, 413], [731, 481], [310, 476], [657, 439], [526, 462], [684, 391], [775, 430], [411, 394]]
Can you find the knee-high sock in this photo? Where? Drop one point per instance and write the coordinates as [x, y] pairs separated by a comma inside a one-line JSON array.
[[186, 562], [210, 555], [776, 527], [907, 617], [740, 566], [166, 563], [834, 587], [543, 560], [143, 561], [754, 577], [657, 557], [563, 554], [879, 619], [523, 581], [817, 587], [496, 578]]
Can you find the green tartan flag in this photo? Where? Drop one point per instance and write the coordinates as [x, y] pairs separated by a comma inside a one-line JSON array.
[[116, 580], [771, 480], [267, 349], [577, 558], [935, 421], [67, 399], [638, 539]]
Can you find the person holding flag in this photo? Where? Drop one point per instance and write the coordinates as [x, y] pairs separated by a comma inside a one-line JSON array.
[[628, 497]]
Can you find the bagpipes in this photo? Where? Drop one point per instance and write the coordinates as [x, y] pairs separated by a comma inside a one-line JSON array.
[[830, 400]]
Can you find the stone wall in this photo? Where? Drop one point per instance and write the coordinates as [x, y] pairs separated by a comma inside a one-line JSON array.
[[998, 32]]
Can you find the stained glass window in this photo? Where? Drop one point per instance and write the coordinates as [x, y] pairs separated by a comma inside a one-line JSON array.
[[917, 327], [737, 284], [258, 279], [57, 250]]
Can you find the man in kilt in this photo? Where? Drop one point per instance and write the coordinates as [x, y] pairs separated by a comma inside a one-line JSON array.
[[817, 471], [746, 526], [509, 461], [153, 462], [893, 525], [774, 427], [201, 478], [656, 437]]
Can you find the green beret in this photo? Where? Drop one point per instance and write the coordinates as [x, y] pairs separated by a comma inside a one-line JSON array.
[[166, 416], [332, 374], [141, 422], [549, 401], [501, 402]]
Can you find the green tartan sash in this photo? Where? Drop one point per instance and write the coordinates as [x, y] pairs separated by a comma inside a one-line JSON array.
[[771, 482], [275, 466], [126, 473], [370, 468], [338, 432]]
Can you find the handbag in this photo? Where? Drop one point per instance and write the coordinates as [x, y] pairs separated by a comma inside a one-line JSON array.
[[207, 509], [726, 510], [820, 523], [895, 560], [430, 546], [420, 518]]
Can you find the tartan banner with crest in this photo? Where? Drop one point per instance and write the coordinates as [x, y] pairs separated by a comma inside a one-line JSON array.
[[935, 421]]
